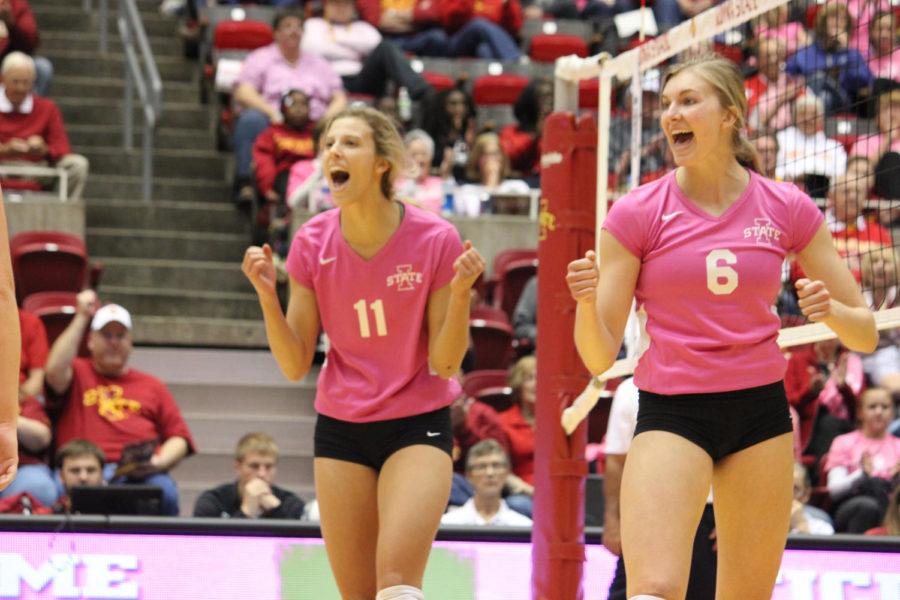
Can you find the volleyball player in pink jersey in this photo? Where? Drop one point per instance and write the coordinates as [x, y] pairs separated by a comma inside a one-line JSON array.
[[701, 250], [389, 284]]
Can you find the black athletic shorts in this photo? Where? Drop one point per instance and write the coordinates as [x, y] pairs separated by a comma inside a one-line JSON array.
[[721, 423], [371, 444]]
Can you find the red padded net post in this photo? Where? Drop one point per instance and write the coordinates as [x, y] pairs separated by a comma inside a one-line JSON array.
[[568, 192]]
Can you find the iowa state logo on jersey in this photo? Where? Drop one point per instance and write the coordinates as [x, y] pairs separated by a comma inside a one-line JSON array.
[[405, 278], [765, 233]]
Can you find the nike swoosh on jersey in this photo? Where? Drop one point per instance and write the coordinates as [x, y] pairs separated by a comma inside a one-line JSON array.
[[432, 433], [671, 216], [325, 261]]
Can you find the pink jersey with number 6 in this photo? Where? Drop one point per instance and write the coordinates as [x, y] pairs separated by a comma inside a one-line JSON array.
[[709, 284], [374, 313]]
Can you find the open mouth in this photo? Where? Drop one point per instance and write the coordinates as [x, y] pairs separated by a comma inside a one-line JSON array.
[[339, 179], [682, 138]]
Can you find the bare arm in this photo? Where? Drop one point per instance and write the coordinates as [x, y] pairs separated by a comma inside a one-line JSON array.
[[65, 348], [602, 310], [10, 350], [33, 434], [34, 385], [612, 483], [831, 295], [448, 315], [292, 338], [170, 453], [247, 95]]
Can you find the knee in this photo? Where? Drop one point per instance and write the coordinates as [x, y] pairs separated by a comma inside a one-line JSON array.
[[76, 164], [657, 588], [251, 119]]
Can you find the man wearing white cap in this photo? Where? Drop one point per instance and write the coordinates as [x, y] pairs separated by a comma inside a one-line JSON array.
[[102, 400]]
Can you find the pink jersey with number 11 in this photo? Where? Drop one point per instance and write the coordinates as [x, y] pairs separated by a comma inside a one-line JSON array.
[[709, 284], [374, 313]]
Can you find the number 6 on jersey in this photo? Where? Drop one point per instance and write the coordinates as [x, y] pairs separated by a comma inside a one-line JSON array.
[[721, 279], [380, 324]]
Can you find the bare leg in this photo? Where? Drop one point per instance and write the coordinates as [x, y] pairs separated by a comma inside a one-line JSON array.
[[412, 494], [348, 508], [664, 488], [752, 498]]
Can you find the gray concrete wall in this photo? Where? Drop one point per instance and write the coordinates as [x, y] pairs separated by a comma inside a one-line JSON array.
[[30, 212]]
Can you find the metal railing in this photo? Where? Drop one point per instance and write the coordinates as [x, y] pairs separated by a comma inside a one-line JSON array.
[[32, 171], [102, 22], [141, 74]]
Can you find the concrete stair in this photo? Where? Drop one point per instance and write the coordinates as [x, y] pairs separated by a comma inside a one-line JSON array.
[[174, 262], [224, 394]]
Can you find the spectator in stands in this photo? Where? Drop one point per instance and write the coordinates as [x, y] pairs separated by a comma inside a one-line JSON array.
[[806, 518], [884, 50], [254, 494], [653, 142], [79, 462], [31, 127], [518, 422], [879, 274], [266, 74], [766, 144], [366, 63], [670, 13], [34, 434], [771, 92], [572, 9], [34, 355], [414, 25], [861, 465], [472, 422], [777, 24], [103, 400], [891, 524], [521, 141], [450, 121], [19, 32], [487, 467], [418, 185], [524, 319], [483, 28], [276, 150], [805, 149], [834, 71], [854, 233], [487, 165], [876, 145]]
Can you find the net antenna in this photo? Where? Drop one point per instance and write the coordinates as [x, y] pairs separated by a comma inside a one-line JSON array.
[[633, 65]]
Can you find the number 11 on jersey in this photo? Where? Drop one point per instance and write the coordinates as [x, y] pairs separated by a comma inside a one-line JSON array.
[[377, 308]]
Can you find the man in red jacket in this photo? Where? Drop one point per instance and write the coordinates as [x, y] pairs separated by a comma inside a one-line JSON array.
[[31, 127]]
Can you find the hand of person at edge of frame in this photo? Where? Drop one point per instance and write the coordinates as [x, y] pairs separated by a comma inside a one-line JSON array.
[[582, 277], [86, 302], [814, 299], [612, 537], [9, 454], [468, 266], [260, 269]]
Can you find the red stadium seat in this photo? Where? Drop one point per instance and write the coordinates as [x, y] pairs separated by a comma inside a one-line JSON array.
[[499, 398], [493, 343], [488, 312], [241, 35], [501, 259], [511, 281], [498, 89], [486, 378], [56, 310], [48, 261], [439, 81], [547, 48]]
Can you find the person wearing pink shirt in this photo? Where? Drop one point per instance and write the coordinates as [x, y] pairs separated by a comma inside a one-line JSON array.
[[266, 74], [863, 465], [389, 284], [701, 250]]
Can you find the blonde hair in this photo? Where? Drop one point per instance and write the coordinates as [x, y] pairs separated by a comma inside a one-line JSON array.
[[728, 84], [479, 147], [518, 372], [388, 143], [256, 442], [17, 59]]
